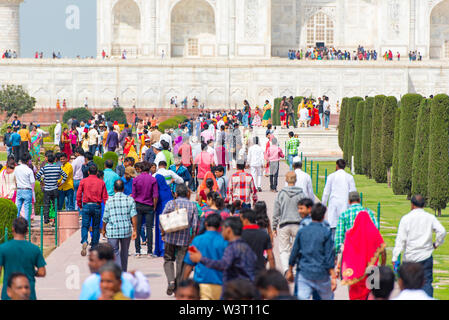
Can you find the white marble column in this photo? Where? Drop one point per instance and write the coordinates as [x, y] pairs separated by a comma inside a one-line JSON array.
[[10, 25]]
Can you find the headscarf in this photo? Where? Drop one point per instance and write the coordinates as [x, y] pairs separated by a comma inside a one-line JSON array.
[[178, 143], [208, 175], [362, 247]]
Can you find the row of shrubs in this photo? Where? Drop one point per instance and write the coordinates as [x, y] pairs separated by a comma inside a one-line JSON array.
[[172, 123], [404, 143]]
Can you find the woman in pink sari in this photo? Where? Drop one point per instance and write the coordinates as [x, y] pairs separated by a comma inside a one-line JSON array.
[[362, 247]]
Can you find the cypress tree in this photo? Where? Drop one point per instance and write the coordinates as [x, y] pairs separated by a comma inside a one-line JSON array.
[[358, 138], [366, 139], [421, 153], [378, 169], [438, 185], [275, 115], [395, 180], [342, 122], [387, 139], [409, 114], [349, 129]]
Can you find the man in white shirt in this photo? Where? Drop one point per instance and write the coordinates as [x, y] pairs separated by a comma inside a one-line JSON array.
[[169, 176], [77, 166], [414, 238], [80, 130], [25, 184], [411, 281], [92, 139], [303, 117], [255, 159], [338, 186], [157, 148], [303, 180], [57, 132]]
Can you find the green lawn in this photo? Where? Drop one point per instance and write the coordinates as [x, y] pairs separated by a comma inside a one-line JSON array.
[[392, 209]]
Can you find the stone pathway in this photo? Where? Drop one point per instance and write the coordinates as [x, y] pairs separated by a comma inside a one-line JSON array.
[[67, 269]]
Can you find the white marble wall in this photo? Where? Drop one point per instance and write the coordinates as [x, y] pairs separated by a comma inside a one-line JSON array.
[[219, 83]]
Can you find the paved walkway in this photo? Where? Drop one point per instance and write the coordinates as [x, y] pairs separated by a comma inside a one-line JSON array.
[[67, 269]]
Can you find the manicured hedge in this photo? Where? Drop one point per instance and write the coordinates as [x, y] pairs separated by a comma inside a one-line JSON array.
[[349, 129], [116, 114], [378, 169], [421, 152], [342, 123], [9, 213], [395, 175], [439, 153], [99, 162], [111, 156], [409, 114], [366, 133], [387, 139], [358, 137], [81, 114], [171, 123]]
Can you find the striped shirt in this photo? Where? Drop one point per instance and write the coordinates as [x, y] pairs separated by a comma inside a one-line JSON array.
[[52, 173]]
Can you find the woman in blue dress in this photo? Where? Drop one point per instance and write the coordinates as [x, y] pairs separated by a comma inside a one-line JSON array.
[[165, 195]]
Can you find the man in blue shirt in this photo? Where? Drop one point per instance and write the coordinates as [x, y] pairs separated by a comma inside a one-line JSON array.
[[212, 245], [110, 177], [15, 144], [16, 123], [315, 258]]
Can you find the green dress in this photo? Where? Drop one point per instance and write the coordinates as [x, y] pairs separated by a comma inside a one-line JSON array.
[[267, 114]]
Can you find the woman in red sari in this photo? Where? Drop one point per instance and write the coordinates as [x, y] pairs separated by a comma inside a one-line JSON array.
[[129, 143], [67, 142], [362, 247], [315, 117]]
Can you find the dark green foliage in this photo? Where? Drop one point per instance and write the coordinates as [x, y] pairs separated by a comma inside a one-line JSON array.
[[9, 213], [99, 162], [421, 152], [275, 116], [342, 122], [358, 137], [171, 123], [409, 114], [111, 156], [81, 114], [15, 100], [116, 114], [349, 129], [397, 127], [378, 169], [438, 186], [388, 121], [366, 133]]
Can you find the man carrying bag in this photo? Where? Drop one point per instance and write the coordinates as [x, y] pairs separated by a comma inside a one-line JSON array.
[[177, 242]]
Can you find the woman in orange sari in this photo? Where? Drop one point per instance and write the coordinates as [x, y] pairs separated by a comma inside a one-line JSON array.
[[362, 247], [204, 188]]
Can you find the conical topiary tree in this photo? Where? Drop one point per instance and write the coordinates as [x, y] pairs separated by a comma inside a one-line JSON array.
[[349, 129], [409, 114], [421, 152], [397, 131], [387, 139], [342, 122], [358, 137], [366, 139], [378, 169], [438, 185]]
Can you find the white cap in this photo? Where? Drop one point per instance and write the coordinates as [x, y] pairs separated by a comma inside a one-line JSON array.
[[297, 159]]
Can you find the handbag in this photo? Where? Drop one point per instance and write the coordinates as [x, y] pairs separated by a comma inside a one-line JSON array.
[[175, 221]]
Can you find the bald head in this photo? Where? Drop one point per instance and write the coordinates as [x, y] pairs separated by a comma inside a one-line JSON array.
[[291, 178]]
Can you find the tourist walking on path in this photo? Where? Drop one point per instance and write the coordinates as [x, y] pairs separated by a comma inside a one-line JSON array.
[[7, 141], [15, 144], [203, 162], [290, 112], [120, 223], [20, 255], [255, 161], [327, 112], [266, 113], [362, 248], [110, 177], [92, 139], [292, 148], [273, 155], [112, 140], [313, 254], [18, 287], [241, 187], [51, 174], [134, 285], [414, 239], [8, 183], [66, 192], [77, 166], [303, 180], [212, 245], [177, 243], [411, 281], [25, 139], [336, 192], [347, 218], [145, 193], [286, 218], [238, 261], [91, 193]]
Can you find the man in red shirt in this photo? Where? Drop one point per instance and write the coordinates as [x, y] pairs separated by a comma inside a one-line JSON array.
[[91, 193], [241, 187]]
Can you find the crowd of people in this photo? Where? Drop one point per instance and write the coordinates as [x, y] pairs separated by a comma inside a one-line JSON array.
[[199, 172], [330, 53], [310, 113], [8, 54]]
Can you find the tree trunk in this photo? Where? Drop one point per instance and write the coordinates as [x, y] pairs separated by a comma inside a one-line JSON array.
[[439, 212], [389, 177]]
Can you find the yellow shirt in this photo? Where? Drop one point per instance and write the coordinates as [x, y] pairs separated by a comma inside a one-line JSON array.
[[68, 184], [24, 135]]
